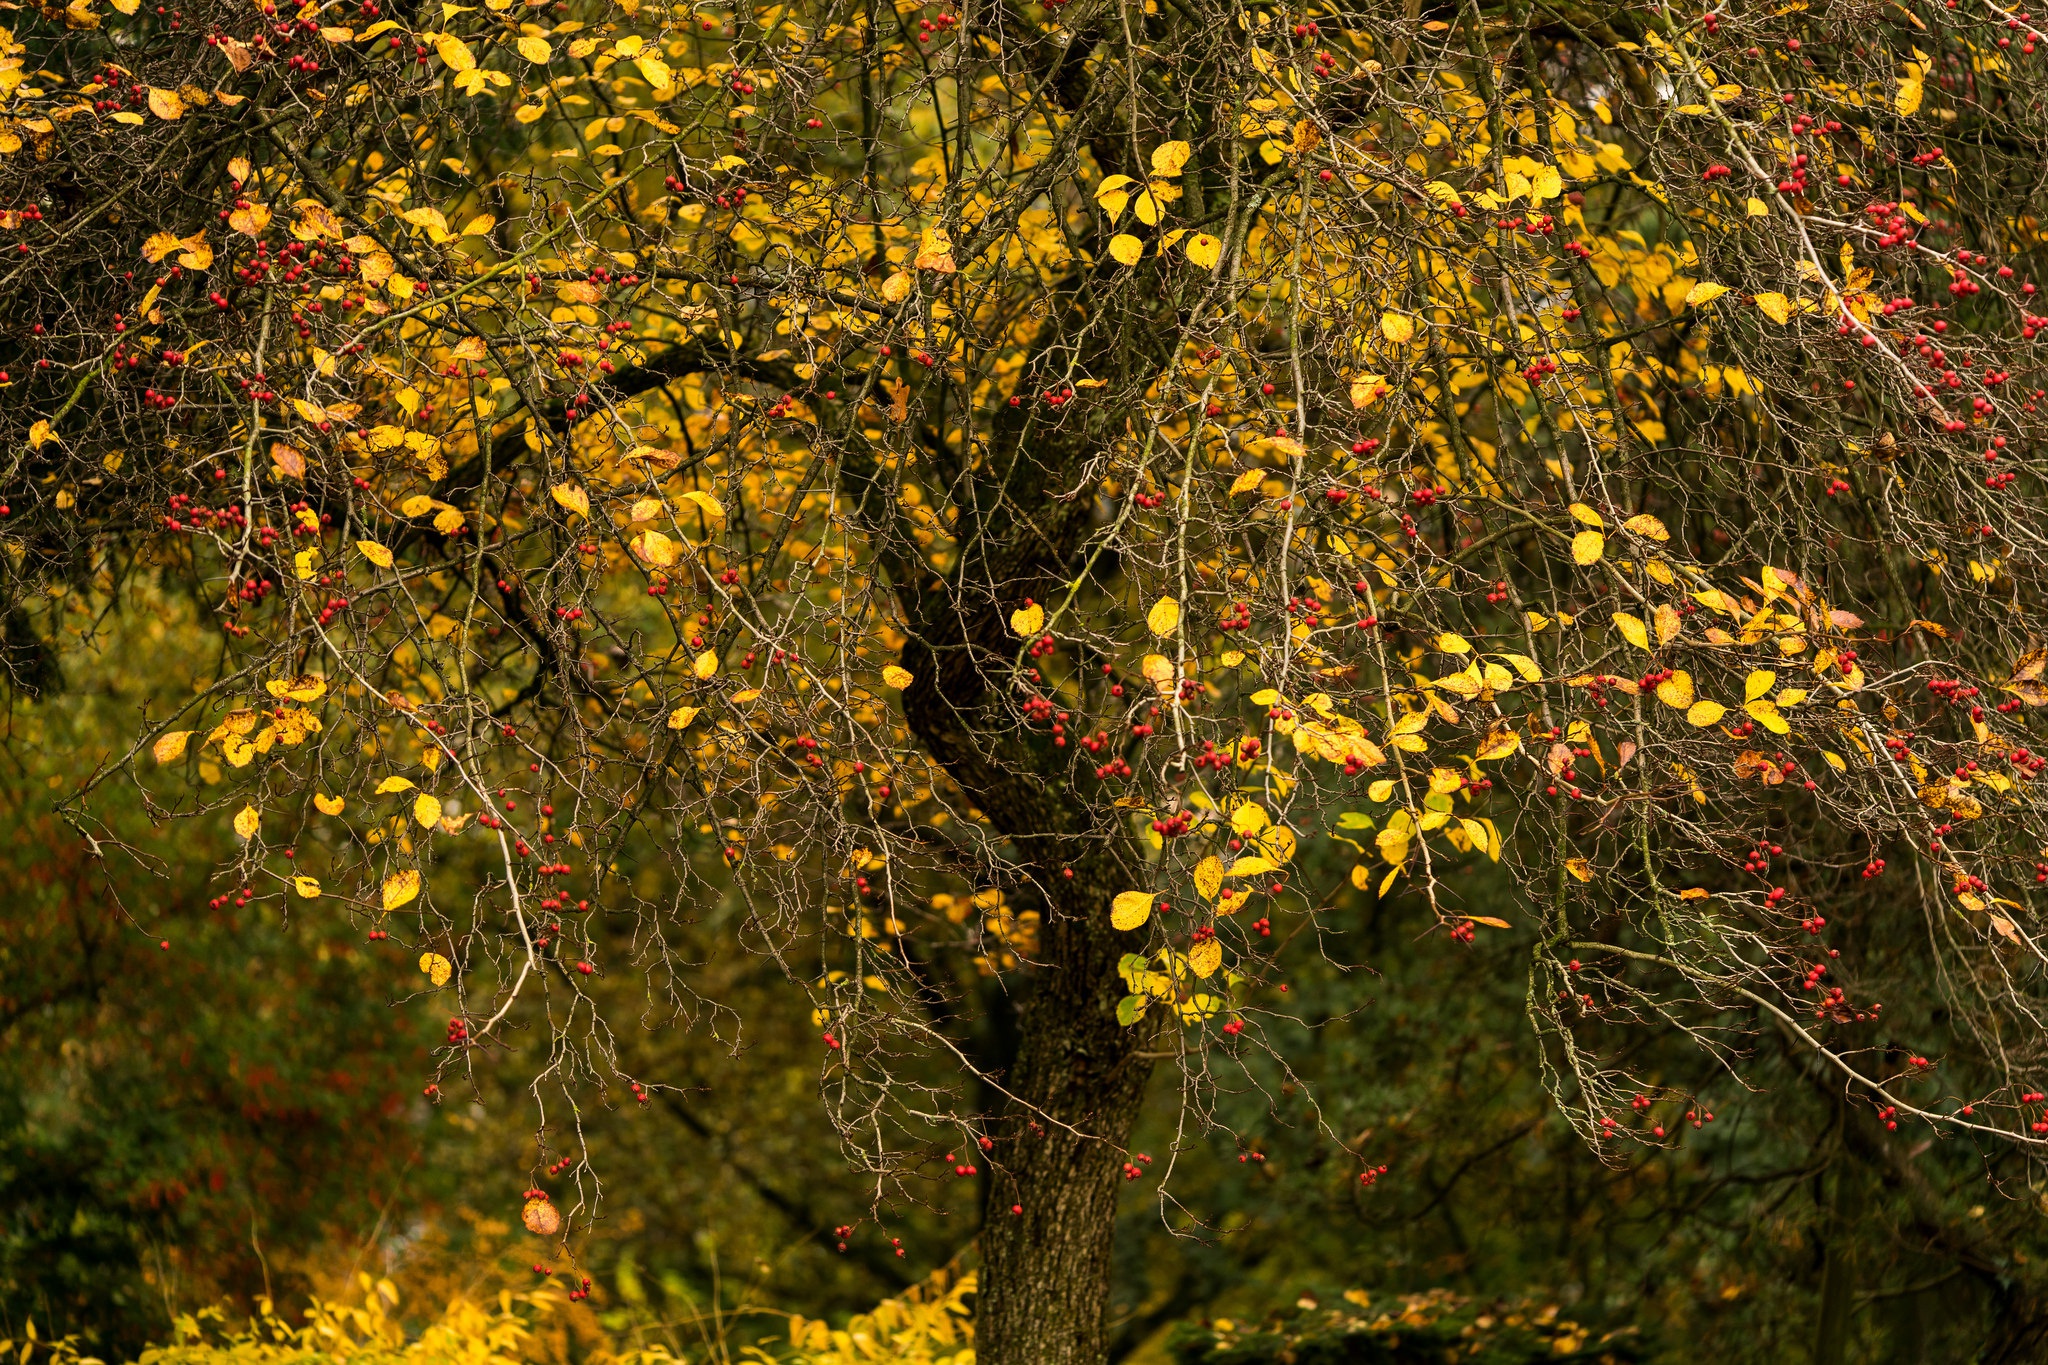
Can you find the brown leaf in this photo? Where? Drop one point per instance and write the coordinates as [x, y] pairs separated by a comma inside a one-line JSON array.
[[288, 459], [1750, 763]]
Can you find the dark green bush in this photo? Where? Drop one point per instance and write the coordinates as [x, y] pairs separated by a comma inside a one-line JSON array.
[[1416, 1329]]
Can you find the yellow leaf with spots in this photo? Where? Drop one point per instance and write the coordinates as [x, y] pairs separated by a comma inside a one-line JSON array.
[[1368, 389], [169, 748], [1706, 291], [1126, 249], [247, 820], [681, 717], [704, 665], [1451, 643], [401, 887], [1209, 876], [1397, 327], [1579, 868], [1028, 620], [536, 50], [1668, 622], [897, 676], [375, 553], [1499, 743], [1676, 691], [165, 104], [307, 887], [1647, 527], [1130, 909], [1705, 713], [571, 497], [1587, 547], [1205, 957], [427, 809], [437, 968], [1587, 516]]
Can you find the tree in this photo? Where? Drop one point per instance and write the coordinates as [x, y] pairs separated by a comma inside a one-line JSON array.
[[982, 486]]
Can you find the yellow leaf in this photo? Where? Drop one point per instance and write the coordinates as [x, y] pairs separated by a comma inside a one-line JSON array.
[[1126, 249], [1169, 157], [1668, 622], [1203, 250], [1499, 743], [1130, 909], [705, 664], [1247, 481], [1587, 547], [1647, 527], [449, 49], [1706, 291], [1632, 629], [712, 508], [1209, 876], [897, 676], [935, 251], [1756, 208], [1368, 389], [375, 553], [1775, 306], [1835, 760], [1028, 620], [1587, 516], [401, 887], [165, 104], [247, 821], [307, 887], [437, 968], [1396, 327], [1912, 89], [169, 748], [1758, 683], [1164, 616], [656, 72], [572, 497], [328, 805], [682, 716], [1579, 868], [394, 784], [535, 50], [1676, 691], [1705, 713], [654, 547], [40, 435], [426, 809], [1205, 957], [1766, 714]]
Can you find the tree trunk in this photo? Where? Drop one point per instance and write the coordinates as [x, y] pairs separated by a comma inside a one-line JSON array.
[[1079, 1081]]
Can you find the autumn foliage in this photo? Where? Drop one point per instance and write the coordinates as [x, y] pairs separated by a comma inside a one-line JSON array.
[[986, 492]]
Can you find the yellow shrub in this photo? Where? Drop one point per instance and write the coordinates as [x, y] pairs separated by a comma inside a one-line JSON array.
[[928, 1325]]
